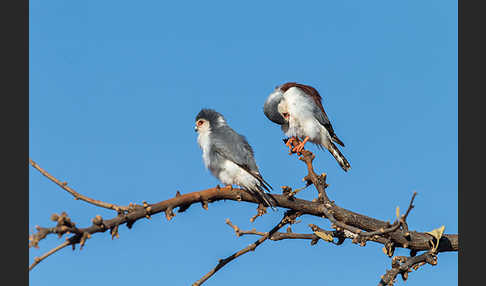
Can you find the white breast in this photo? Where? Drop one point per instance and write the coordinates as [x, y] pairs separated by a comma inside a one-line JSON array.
[[204, 143], [302, 121], [233, 174]]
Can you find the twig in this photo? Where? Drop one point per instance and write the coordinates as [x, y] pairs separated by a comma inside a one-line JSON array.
[[261, 210], [410, 207], [318, 181], [64, 225], [75, 194], [403, 265], [399, 222], [222, 262], [296, 191], [275, 237], [37, 260]]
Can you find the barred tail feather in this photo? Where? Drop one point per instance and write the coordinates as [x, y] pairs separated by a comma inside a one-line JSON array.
[[339, 157]]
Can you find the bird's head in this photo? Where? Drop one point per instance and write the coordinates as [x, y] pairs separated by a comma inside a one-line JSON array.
[[207, 119], [275, 107], [283, 110]]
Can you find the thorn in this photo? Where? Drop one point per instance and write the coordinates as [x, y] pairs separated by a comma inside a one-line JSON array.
[[178, 194], [114, 232], [204, 205], [169, 214]]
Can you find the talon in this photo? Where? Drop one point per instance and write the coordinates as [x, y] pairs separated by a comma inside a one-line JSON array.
[[289, 144], [289, 141], [300, 147], [292, 142]]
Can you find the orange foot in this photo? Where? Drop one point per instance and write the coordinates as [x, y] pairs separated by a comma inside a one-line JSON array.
[[291, 143], [298, 149]]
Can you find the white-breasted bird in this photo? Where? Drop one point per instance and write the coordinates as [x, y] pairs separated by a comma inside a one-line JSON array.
[[299, 111], [228, 155]]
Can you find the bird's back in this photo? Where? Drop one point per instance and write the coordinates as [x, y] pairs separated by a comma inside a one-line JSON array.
[[234, 147], [300, 104]]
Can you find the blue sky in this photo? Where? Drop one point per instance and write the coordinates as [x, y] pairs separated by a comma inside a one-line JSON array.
[[115, 87]]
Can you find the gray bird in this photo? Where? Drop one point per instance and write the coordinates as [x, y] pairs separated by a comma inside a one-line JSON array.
[[228, 155], [299, 111]]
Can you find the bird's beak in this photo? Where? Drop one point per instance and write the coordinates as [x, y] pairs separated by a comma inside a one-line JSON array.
[[195, 128]]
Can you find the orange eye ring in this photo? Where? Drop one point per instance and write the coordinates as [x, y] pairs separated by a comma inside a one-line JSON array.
[[199, 123]]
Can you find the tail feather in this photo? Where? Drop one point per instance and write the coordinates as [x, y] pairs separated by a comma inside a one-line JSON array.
[[337, 140], [265, 197], [339, 157]]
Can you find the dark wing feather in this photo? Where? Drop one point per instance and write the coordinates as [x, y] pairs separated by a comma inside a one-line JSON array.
[[321, 117], [234, 147]]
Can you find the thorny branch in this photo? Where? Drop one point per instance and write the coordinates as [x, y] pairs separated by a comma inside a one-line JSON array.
[[347, 224]]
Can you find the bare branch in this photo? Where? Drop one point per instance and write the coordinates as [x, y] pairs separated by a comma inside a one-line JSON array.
[[347, 224], [75, 194], [275, 237], [37, 260], [404, 265], [288, 218], [261, 210]]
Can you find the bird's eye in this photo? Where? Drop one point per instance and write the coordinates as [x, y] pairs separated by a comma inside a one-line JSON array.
[[199, 123], [285, 114]]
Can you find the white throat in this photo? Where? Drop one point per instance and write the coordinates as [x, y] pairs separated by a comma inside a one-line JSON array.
[[204, 143]]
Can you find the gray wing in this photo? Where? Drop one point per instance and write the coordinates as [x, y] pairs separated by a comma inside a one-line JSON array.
[[234, 147], [321, 116], [270, 108]]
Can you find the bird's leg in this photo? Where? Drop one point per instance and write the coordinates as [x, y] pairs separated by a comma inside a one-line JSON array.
[[291, 142], [300, 146]]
